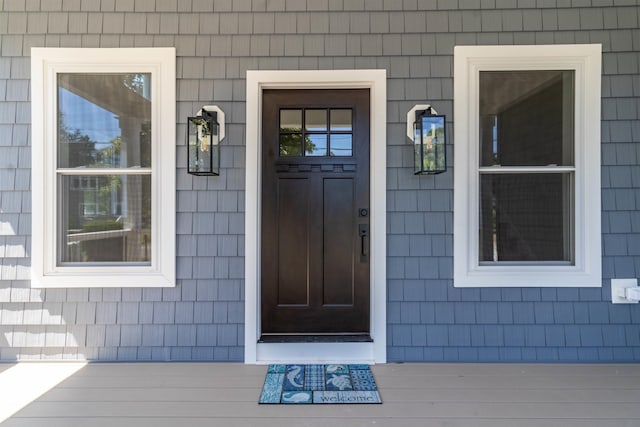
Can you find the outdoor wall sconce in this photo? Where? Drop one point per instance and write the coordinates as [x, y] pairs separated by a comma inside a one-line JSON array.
[[204, 133], [427, 131]]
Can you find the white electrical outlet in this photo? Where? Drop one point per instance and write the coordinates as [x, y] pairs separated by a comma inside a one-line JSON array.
[[618, 290]]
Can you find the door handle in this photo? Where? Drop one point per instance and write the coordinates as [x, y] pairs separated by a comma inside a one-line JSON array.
[[363, 232]]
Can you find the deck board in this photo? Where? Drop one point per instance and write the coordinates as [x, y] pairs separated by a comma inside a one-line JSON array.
[[211, 394], [188, 394]]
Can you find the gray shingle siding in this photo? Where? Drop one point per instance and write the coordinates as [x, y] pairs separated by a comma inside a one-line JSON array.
[[428, 319]]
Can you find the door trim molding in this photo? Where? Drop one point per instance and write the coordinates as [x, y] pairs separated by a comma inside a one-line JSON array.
[[373, 352]]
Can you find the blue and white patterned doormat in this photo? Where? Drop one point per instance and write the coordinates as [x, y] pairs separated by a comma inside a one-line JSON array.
[[319, 384]]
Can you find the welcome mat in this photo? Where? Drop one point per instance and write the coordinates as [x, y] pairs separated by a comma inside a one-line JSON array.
[[322, 384]]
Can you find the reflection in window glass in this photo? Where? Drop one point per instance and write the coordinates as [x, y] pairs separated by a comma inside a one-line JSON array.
[[308, 132], [525, 217], [316, 144], [341, 144], [341, 120], [290, 120], [290, 144], [105, 218], [526, 118], [315, 120], [104, 120]]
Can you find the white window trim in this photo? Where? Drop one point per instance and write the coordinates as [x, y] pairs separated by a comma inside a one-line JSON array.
[[373, 352], [585, 60], [45, 64]]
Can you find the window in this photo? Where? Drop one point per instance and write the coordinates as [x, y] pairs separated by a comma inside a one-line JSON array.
[[527, 166], [103, 171], [325, 132]]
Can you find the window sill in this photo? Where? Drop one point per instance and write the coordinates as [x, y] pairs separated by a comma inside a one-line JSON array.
[[531, 276]]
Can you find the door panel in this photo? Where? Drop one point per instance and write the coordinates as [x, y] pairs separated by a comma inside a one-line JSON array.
[[293, 222], [315, 182], [338, 241]]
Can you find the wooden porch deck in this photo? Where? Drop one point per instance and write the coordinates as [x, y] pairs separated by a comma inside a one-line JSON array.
[[219, 394]]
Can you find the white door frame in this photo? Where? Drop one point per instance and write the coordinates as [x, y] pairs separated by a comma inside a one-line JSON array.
[[373, 352]]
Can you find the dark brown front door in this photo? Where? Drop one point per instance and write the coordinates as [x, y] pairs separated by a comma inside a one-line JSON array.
[[315, 212]]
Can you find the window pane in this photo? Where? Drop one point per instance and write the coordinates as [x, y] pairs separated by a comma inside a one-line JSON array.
[[316, 144], [526, 118], [341, 144], [341, 120], [291, 144], [105, 218], [315, 120], [290, 120], [526, 217], [104, 120]]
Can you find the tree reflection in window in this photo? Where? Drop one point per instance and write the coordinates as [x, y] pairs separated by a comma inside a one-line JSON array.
[[291, 143]]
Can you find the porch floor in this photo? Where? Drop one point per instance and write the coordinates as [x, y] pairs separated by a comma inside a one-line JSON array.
[[226, 394]]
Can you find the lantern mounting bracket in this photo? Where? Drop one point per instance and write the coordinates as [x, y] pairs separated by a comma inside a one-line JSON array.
[[220, 118]]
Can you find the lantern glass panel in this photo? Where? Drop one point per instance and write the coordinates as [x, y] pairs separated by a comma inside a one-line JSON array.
[[204, 150], [429, 145]]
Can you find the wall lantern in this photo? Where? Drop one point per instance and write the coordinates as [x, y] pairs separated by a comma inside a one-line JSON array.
[[427, 131], [204, 133]]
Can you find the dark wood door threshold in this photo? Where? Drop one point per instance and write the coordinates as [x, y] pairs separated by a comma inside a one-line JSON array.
[[309, 338]]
